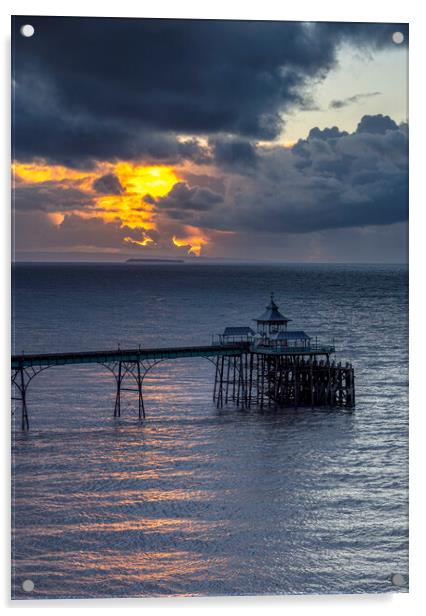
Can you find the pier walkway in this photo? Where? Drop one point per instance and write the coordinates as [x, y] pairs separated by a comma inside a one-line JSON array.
[[103, 357], [243, 364], [126, 364]]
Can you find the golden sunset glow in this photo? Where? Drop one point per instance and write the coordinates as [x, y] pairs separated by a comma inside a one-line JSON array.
[[142, 180], [128, 207], [135, 179], [134, 207], [130, 210], [145, 242], [56, 217], [194, 241], [36, 173], [137, 182]]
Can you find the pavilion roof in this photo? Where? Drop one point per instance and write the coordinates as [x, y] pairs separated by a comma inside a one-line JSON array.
[[290, 335], [272, 314]]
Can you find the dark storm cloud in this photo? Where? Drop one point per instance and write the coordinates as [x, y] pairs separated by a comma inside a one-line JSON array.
[[78, 141], [182, 198], [356, 98], [108, 184], [377, 124], [216, 184], [121, 88], [315, 141], [49, 197], [325, 133], [330, 180], [191, 149], [230, 153]]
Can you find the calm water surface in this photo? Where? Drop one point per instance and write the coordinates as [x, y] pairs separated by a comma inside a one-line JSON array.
[[197, 500]]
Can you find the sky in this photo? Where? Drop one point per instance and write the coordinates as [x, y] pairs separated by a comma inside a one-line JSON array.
[[281, 141]]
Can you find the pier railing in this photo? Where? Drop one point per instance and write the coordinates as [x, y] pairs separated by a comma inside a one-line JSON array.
[[313, 349], [259, 346]]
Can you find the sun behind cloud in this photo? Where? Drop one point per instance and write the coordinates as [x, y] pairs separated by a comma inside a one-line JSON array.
[[131, 206], [141, 180]]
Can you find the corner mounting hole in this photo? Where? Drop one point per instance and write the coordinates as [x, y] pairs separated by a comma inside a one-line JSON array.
[[27, 30], [398, 38], [397, 579], [28, 585]]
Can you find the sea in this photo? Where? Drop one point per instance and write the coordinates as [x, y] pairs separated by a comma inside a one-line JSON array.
[[196, 500]]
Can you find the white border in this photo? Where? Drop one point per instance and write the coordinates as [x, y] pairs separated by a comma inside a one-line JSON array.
[[310, 10]]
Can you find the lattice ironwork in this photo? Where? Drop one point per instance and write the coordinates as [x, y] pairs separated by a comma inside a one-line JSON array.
[[136, 371], [21, 378]]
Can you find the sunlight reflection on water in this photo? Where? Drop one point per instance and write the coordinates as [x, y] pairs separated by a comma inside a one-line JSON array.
[[195, 500]]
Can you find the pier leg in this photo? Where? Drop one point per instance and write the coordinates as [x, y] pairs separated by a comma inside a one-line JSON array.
[[228, 371], [241, 395], [237, 380], [234, 377], [246, 382], [262, 381], [219, 403], [349, 386], [215, 379], [250, 380], [244, 367], [21, 378], [24, 411], [139, 383], [132, 370], [296, 386], [117, 408]]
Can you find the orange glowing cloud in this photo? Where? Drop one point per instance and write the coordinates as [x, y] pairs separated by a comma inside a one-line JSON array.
[[56, 217], [137, 182], [129, 207], [142, 180], [194, 239], [34, 173], [145, 242], [134, 207]]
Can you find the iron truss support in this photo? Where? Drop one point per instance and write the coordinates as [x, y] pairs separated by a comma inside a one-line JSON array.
[[21, 378], [231, 380], [133, 371]]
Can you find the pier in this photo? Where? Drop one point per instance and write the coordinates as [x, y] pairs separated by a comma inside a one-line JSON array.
[[270, 367]]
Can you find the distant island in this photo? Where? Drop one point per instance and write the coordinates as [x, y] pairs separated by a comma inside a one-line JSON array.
[[154, 260]]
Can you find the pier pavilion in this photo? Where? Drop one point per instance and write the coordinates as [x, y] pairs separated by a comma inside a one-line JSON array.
[[280, 367]]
